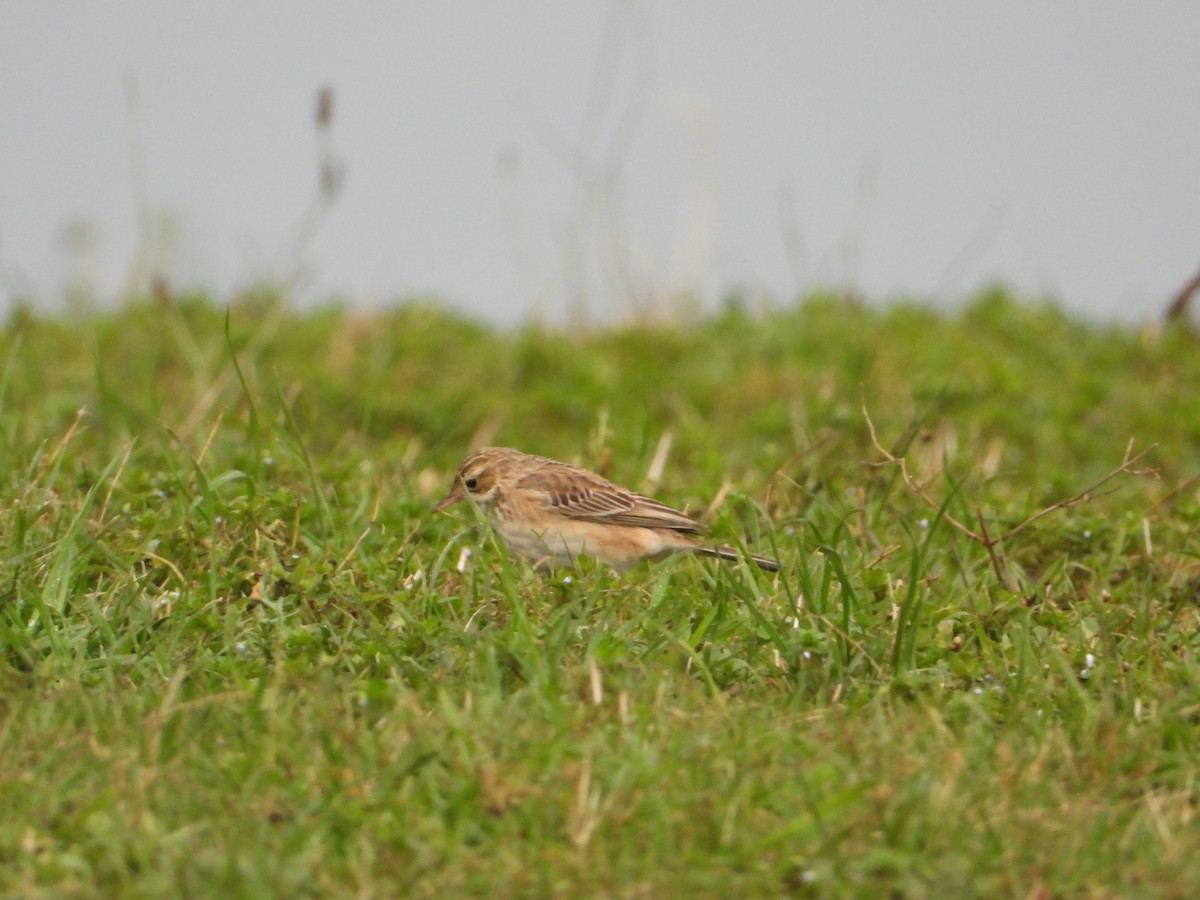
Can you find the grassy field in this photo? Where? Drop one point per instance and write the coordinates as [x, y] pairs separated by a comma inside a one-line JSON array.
[[240, 657]]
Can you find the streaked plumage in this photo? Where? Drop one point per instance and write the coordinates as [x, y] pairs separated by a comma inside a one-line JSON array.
[[547, 510]]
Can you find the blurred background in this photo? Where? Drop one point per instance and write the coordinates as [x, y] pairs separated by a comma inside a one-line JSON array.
[[591, 161]]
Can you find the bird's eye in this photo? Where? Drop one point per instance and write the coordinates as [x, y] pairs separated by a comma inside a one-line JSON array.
[[471, 483]]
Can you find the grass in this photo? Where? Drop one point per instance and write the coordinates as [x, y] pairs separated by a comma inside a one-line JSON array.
[[239, 656]]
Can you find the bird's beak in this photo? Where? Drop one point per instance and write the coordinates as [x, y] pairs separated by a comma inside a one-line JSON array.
[[450, 499]]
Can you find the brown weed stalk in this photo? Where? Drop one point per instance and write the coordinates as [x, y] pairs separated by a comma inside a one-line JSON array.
[[980, 534]]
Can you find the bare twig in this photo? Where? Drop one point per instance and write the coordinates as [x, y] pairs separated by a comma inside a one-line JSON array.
[[1184, 486], [1128, 461], [983, 537], [990, 544], [915, 486], [1183, 299]]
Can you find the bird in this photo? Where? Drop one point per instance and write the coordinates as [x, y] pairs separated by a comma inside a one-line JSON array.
[[552, 512]]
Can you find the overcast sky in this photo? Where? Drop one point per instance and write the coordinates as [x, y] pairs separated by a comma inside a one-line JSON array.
[[520, 157]]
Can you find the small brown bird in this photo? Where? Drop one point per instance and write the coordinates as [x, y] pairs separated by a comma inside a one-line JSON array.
[[547, 510]]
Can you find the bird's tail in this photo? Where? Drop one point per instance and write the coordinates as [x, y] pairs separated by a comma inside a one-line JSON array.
[[729, 553]]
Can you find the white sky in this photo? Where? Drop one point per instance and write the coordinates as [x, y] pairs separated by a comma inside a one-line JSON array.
[[522, 156]]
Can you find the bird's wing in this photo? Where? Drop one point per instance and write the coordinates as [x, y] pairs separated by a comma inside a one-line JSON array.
[[580, 494]]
